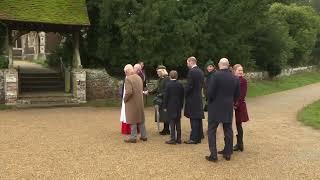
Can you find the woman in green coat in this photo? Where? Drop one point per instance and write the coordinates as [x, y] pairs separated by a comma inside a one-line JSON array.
[[159, 91]]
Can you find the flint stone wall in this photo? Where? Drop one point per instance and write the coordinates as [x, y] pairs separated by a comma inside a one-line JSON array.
[[100, 85]]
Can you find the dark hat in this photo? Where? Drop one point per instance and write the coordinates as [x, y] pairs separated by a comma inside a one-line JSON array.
[[209, 62], [161, 67]]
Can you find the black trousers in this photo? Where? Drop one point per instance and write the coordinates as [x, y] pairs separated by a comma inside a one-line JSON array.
[[196, 129], [166, 127], [240, 132], [212, 137], [201, 129], [175, 128]]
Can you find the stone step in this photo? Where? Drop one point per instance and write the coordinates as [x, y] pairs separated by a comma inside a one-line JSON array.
[[37, 75], [50, 94], [35, 100], [42, 105], [49, 99], [41, 88], [40, 78], [42, 83]]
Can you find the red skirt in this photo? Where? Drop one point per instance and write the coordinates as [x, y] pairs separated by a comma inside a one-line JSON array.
[[126, 128]]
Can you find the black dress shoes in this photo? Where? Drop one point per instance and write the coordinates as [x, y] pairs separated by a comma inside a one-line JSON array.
[[143, 139], [130, 141], [211, 159], [227, 157], [163, 133], [190, 142], [221, 152], [173, 142]]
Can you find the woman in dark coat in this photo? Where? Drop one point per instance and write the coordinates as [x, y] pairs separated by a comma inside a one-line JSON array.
[[158, 100], [209, 70], [240, 107]]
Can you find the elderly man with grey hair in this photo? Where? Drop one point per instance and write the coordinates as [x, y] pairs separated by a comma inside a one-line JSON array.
[[132, 111], [223, 91]]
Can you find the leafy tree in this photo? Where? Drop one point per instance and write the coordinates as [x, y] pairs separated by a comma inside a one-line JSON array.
[[273, 46], [256, 33], [303, 25]]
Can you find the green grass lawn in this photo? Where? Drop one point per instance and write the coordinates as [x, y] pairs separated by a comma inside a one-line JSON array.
[[5, 107], [264, 87], [310, 115]]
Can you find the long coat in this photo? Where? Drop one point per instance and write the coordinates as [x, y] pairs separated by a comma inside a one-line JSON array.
[[240, 105], [143, 78], [223, 91], [173, 99], [193, 92], [205, 89], [133, 99], [160, 93]]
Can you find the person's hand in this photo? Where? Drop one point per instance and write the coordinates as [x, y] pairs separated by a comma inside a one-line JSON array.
[[145, 92]]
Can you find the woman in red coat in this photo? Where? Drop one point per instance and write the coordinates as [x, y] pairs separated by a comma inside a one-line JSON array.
[[240, 106]]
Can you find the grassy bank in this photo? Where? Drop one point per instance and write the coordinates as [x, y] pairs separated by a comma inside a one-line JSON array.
[[259, 88], [310, 115], [5, 107]]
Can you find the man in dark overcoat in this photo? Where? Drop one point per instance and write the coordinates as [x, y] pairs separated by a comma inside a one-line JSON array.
[[173, 104], [223, 91], [193, 104]]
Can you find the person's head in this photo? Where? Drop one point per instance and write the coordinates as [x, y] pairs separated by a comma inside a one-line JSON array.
[[162, 72], [191, 61], [173, 74], [137, 68], [141, 64], [128, 70], [238, 70], [223, 63], [210, 67]]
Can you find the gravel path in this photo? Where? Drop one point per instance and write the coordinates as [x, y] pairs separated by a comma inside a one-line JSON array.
[[85, 143]]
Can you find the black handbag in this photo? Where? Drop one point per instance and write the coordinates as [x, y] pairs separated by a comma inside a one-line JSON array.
[[158, 100]]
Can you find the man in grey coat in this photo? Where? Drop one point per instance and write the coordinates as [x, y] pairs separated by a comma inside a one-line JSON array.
[[223, 91]]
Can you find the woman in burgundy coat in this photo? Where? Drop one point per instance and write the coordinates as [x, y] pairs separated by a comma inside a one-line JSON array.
[[240, 106]]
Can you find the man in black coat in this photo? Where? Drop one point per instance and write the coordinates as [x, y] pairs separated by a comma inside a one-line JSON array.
[[223, 91], [193, 106], [173, 104]]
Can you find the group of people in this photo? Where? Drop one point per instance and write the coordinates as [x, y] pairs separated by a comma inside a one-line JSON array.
[[224, 89]]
